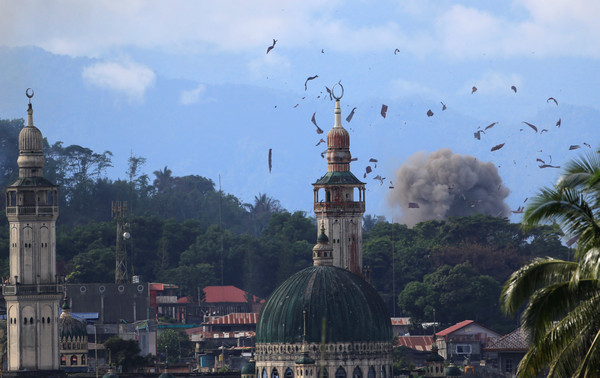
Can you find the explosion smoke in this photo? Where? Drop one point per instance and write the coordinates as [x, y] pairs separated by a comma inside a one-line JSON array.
[[444, 184]]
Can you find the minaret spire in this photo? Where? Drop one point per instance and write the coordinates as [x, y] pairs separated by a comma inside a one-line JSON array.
[[339, 202]]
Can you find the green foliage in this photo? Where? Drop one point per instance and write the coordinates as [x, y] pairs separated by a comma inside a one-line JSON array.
[[124, 353], [174, 345]]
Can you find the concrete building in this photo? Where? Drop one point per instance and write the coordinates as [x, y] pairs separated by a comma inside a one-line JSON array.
[[33, 291]]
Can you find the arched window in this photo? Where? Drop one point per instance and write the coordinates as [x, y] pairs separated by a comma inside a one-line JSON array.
[[83, 359], [264, 373], [274, 373], [289, 373], [371, 372], [63, 360], [73, 360], [357, 373], [325, 373], [340, 373], [383, 375]]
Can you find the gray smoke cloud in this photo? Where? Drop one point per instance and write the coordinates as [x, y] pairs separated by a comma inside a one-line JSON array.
[[444, 184]]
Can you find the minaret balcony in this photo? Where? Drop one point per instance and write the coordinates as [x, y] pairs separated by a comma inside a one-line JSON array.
[[343, 206], [39, 210], [31, 289]]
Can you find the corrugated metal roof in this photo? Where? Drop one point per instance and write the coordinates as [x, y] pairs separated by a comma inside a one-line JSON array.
[[400, 321], [234, 319], [227, 294], [454, 328], [421, 343]]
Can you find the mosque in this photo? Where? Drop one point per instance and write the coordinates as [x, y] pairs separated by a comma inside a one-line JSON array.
[[326, 320]]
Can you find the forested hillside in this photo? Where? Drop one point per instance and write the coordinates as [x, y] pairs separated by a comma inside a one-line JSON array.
[[185, 231]]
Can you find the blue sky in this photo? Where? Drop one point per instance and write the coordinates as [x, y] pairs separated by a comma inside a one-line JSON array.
[[129, 68]]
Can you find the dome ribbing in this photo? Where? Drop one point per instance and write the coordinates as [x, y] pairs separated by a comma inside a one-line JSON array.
[[353, 310]]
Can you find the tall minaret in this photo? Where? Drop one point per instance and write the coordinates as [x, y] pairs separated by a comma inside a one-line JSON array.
[[339, 199], [32, 293]]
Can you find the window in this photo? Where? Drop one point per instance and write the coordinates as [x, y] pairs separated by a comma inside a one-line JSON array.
[[264, 373], [289, 373], [357, 373], [463, 349], [63, 360], [371, 372], [73, 360], [508, 365], [340, 373], [383, 372], [83, 359], [274, 373]]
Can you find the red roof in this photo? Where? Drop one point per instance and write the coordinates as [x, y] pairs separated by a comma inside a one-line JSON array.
[[454, 328], [400, 321], [234, 319], [421, 343], [227, 294]]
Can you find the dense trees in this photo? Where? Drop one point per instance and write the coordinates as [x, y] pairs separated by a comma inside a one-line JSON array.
[[186, 232], [561, 297]]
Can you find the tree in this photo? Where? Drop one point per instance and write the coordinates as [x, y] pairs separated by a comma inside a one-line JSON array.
[[174, 345], [562, 312], [124, 353]]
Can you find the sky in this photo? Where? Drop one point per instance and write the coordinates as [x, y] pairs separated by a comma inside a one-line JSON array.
[[189, 85]]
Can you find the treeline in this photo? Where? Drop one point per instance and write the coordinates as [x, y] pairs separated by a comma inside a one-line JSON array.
[[185, 232]]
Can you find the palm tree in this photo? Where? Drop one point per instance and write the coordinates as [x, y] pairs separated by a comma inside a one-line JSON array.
[[562, 312], [163, 181]]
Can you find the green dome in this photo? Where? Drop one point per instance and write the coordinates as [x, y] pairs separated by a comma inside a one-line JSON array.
[[249, 367], [69, 327], [353, 310]]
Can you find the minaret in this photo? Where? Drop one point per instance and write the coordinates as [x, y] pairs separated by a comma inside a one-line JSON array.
[[32, 292], [339, 199]]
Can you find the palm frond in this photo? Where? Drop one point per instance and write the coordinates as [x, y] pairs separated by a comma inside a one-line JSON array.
[[539, 273]]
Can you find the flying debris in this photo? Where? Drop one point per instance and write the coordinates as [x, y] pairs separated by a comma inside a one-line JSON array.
[[329, 91], [381, 179], [530, 125], [587, 145], [270, 159], [540, 160], [549, 166], [413, 205], [552, 99], [543, 130], [272, 46], [477, 134], [497, 147], [295, 106], [513, 88], [558, 122], [322, 51], [429, 113], [373, 160], [384, 109], [368, 169], [519, 210], [354, 159], [323, 154], [473, 90], [319, 131], [396, 51], [574, 147], [349, 118], [321, 141], [491, 125], [573, 240], [308, 79], [444, 107]]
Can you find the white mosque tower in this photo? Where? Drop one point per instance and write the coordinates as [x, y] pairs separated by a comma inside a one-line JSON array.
[[339, 199], [32, 292]]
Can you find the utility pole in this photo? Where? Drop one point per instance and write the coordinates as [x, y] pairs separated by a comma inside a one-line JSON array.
[[119, 212]]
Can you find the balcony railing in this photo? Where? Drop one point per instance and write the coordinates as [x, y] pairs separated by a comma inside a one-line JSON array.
[[339, 206], [32, 210], [31, 289]]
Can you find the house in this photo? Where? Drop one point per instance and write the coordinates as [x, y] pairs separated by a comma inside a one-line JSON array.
[[463, 340], [400, 326], [223, 300], [505, 352]]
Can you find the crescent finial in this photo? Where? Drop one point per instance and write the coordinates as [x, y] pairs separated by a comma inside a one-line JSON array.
[[337, 98], [29, 93]]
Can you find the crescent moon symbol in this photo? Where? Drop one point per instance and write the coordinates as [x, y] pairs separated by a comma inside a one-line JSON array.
[[337, 98], [27, 93]]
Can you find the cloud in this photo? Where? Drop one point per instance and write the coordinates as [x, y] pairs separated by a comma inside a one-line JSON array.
[[407, 88], [193, 95], [129, 78]]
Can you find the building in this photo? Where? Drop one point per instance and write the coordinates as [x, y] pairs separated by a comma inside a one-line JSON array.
[[326, 319], [223, 300], [504, 353], [464, 340], [73, 341], [33, 291]]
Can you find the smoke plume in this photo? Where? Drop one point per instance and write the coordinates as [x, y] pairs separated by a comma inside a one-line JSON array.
[[443, 184]]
